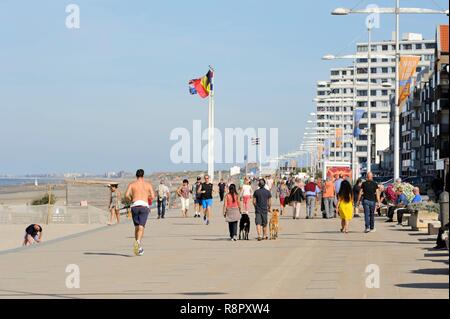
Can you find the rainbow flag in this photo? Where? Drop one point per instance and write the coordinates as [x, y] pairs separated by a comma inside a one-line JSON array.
[[202, 86]]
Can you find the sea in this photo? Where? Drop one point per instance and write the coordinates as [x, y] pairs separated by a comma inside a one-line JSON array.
[[28, 181]]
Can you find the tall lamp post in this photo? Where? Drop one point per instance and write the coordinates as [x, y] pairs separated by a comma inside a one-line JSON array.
[[397, 10]]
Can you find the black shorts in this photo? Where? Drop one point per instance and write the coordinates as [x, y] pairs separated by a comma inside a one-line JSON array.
[[261, 218], [140, 215]]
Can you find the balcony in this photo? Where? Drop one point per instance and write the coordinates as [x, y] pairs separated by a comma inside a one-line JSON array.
[[417, 104], [415, 143], [415, 124]]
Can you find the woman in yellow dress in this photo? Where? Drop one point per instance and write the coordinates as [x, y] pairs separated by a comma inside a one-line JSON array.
[[345, 205]]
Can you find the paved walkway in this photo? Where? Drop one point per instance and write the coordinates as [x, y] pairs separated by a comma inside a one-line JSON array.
[[186, 259]]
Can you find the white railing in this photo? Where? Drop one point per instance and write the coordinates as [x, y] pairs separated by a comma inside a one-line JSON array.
[[53, 214]]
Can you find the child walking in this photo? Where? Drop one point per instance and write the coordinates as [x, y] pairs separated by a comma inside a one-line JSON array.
[[345, 205]]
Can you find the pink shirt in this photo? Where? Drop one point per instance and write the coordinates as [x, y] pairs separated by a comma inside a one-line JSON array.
[[230, 203]]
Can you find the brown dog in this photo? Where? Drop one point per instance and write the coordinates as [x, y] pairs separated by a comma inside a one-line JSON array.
[[274, 224]]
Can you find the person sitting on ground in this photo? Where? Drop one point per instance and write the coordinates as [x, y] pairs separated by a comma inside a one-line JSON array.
[[400, 207], [33, 235]]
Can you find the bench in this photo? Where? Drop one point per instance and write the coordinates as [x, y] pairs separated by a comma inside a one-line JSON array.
[[384, 210], [420, 219], [433, 226]]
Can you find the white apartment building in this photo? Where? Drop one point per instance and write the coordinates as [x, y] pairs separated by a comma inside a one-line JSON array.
[[335, 97]]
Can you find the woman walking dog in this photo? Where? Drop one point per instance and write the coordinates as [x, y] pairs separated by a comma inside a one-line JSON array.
[[232, 211]]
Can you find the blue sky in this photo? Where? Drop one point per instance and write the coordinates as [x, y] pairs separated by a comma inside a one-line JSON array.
[[72, 100]]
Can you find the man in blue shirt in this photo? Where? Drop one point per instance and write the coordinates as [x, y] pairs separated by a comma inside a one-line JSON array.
[[417, 198], [400, 205]]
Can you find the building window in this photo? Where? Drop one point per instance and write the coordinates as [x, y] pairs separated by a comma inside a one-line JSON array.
[[362, 71], [407, 47], [385, 47], [362, 92], [362, 48], [418, 46]]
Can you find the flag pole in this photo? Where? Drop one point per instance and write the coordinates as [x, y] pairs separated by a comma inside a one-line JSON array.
[[211, 130]]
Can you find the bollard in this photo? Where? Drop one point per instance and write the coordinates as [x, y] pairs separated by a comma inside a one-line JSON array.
[[443, 211]]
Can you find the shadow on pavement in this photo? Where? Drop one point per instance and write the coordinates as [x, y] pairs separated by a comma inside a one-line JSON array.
[[431, 285], [436, 260], [212, 239], [431, 271], [107, 254], [202, 293], [444, 254], [427, 239]]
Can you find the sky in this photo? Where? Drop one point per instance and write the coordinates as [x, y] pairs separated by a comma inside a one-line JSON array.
[[106, 96]]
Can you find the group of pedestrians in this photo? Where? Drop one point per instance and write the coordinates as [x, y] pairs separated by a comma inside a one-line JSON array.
[[336, 197]]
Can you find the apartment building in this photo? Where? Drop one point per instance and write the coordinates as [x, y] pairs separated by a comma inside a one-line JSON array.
[[425, 117], [335, 105]]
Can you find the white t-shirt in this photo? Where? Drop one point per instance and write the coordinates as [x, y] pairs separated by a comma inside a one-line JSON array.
[[246, 190], [163, 190], [269, 184]]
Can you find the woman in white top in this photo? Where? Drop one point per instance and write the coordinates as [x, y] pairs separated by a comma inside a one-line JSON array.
[[246, 193]]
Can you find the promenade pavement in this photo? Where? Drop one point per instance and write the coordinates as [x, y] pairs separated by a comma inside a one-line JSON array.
[[186, 259]]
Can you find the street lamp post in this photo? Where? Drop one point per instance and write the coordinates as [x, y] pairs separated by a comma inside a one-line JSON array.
[[369, 102], [397, 10]]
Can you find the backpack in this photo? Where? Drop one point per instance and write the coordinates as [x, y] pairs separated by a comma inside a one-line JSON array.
[[196, 188]]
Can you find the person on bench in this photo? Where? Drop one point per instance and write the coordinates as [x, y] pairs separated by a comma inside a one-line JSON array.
[[383, 199], [399, 208], [417, 198]]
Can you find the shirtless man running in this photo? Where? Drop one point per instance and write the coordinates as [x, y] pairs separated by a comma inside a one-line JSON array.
[[139, 192]]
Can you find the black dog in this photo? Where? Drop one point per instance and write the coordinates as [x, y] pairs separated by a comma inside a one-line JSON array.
[[244, 227]]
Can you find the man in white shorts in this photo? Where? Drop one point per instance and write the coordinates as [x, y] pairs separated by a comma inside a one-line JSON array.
[[184, 193]]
